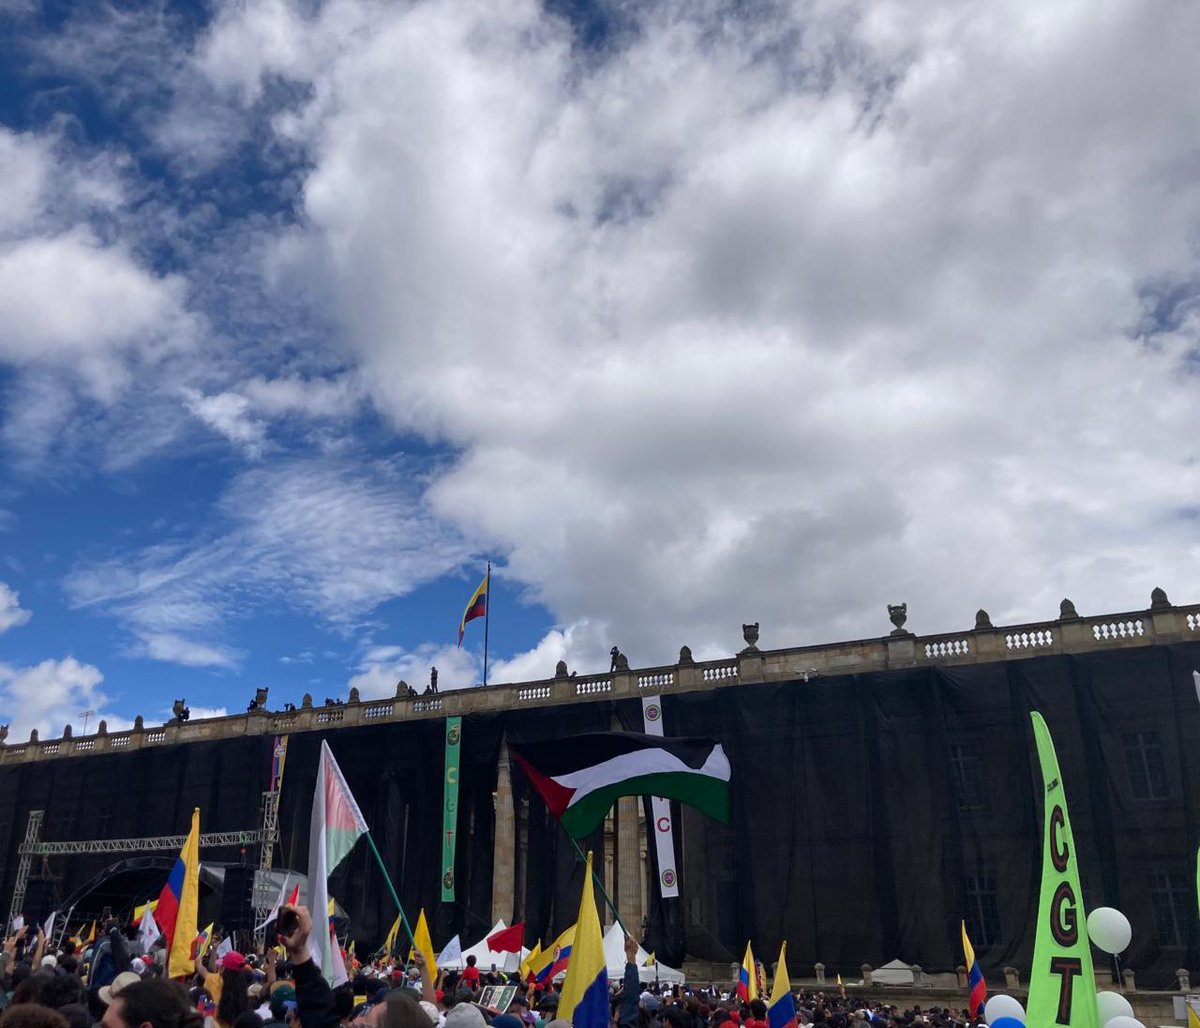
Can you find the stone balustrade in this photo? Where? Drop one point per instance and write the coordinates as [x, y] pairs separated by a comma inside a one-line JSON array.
[[1069, 633]]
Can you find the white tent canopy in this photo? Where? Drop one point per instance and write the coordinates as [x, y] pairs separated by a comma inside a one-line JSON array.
[[896, 972], [614, 959], [486, 959]]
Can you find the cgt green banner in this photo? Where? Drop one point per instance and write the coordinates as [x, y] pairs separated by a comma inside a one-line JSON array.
[[1062, 985], [450, 806]]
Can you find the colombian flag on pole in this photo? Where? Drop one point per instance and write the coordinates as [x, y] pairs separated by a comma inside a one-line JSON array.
[[584, 999], [747, 987], [782, 1011], [554, 958], [177, 905], [975, 983], [476, 606]]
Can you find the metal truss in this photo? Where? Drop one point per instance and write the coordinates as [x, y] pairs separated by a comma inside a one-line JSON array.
[[34, 846]]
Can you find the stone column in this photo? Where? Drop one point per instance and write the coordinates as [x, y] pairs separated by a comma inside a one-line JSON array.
[[504, 852], [629, 864]]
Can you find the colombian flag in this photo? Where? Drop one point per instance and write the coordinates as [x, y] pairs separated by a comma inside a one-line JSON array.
[[584, 999], [782, 1011], [975, 980], [200, 944], [526, 968], [476, 605], [747, 987], [176, 911], [554, 958]]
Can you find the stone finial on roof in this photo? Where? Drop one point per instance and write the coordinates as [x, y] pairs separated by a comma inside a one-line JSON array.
[[1067, 611], [1158, 599], [982, 620], [685, 655]]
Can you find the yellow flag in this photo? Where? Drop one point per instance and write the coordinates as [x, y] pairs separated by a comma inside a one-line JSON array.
[[526, 967], [389, 944], [180, 962], [1193, 1017], [91, 935], [650, 961], [424, 944]]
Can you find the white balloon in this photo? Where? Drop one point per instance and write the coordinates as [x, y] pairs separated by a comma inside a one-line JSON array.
[[1003, 1006], [1109, 929], [1124, 1022], [1112, 1005]]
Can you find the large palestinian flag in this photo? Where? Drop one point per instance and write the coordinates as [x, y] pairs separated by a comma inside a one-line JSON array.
[[580, 777]]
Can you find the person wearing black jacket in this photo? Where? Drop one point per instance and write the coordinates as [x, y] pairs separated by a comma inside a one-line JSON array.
[[631, 986], [315, 1004]]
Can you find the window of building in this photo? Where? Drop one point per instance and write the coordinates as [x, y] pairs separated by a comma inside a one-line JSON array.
[[983, 910], [1144, 763], [966, 773], [1171, 896]]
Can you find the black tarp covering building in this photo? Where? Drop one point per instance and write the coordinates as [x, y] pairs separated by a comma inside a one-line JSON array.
[[870, 812]]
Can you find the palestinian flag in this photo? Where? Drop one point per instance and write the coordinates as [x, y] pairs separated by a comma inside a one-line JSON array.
[[580, 777]]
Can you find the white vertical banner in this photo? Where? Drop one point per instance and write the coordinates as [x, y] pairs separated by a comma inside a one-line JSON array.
[[660, 810]]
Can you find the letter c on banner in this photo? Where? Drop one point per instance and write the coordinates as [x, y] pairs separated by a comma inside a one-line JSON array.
[[1057, 823], [1064, 918], [452, 774], [664, 824]]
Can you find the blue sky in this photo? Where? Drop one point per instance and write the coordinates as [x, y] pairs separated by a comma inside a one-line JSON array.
[[684, 314]]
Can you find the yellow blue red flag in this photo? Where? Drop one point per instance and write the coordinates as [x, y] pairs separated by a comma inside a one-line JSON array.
[[782, 1011], [476, 605], [180, 899], [584, 999], [976, 985], [747, 985]]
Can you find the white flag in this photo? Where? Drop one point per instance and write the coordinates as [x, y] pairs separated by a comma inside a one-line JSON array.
[[223, 947], [48, 929], [336, 826], [18, 922], [278, 904], [148, 933], [452, 954]]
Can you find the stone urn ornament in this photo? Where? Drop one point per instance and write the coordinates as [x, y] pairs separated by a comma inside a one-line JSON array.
[[750, 634], [898, 614]]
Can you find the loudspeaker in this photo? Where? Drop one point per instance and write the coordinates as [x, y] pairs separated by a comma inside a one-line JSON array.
[[236, 915]]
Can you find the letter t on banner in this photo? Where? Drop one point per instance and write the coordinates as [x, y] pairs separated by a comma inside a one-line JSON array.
[[450, 806], [660, 809]]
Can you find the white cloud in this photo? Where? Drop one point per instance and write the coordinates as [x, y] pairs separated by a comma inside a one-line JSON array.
[[173, 649], [227, 414], [11, 613], [382, 667], [726, 330], [316, 536], [48, 696]]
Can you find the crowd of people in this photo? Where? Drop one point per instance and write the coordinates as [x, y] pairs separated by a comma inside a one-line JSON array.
[[108, 983]]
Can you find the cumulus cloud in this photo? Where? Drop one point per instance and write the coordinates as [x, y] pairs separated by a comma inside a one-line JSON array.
[[382, 667], [11, 613], [49, 695], [904, 308]]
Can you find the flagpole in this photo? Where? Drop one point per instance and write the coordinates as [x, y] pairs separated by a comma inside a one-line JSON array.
[[391, 888], [487, 618], [599, 884]]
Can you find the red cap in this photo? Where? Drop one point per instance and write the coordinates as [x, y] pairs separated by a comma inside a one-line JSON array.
[[233, 962]]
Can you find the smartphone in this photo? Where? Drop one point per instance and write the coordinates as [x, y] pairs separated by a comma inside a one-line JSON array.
[[287, 922]]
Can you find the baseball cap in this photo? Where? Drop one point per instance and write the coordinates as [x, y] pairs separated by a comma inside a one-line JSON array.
[[122, 981], [233, 962]]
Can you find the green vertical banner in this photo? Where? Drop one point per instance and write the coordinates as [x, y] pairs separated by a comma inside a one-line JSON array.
[[1062, 984], [450, 806]]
